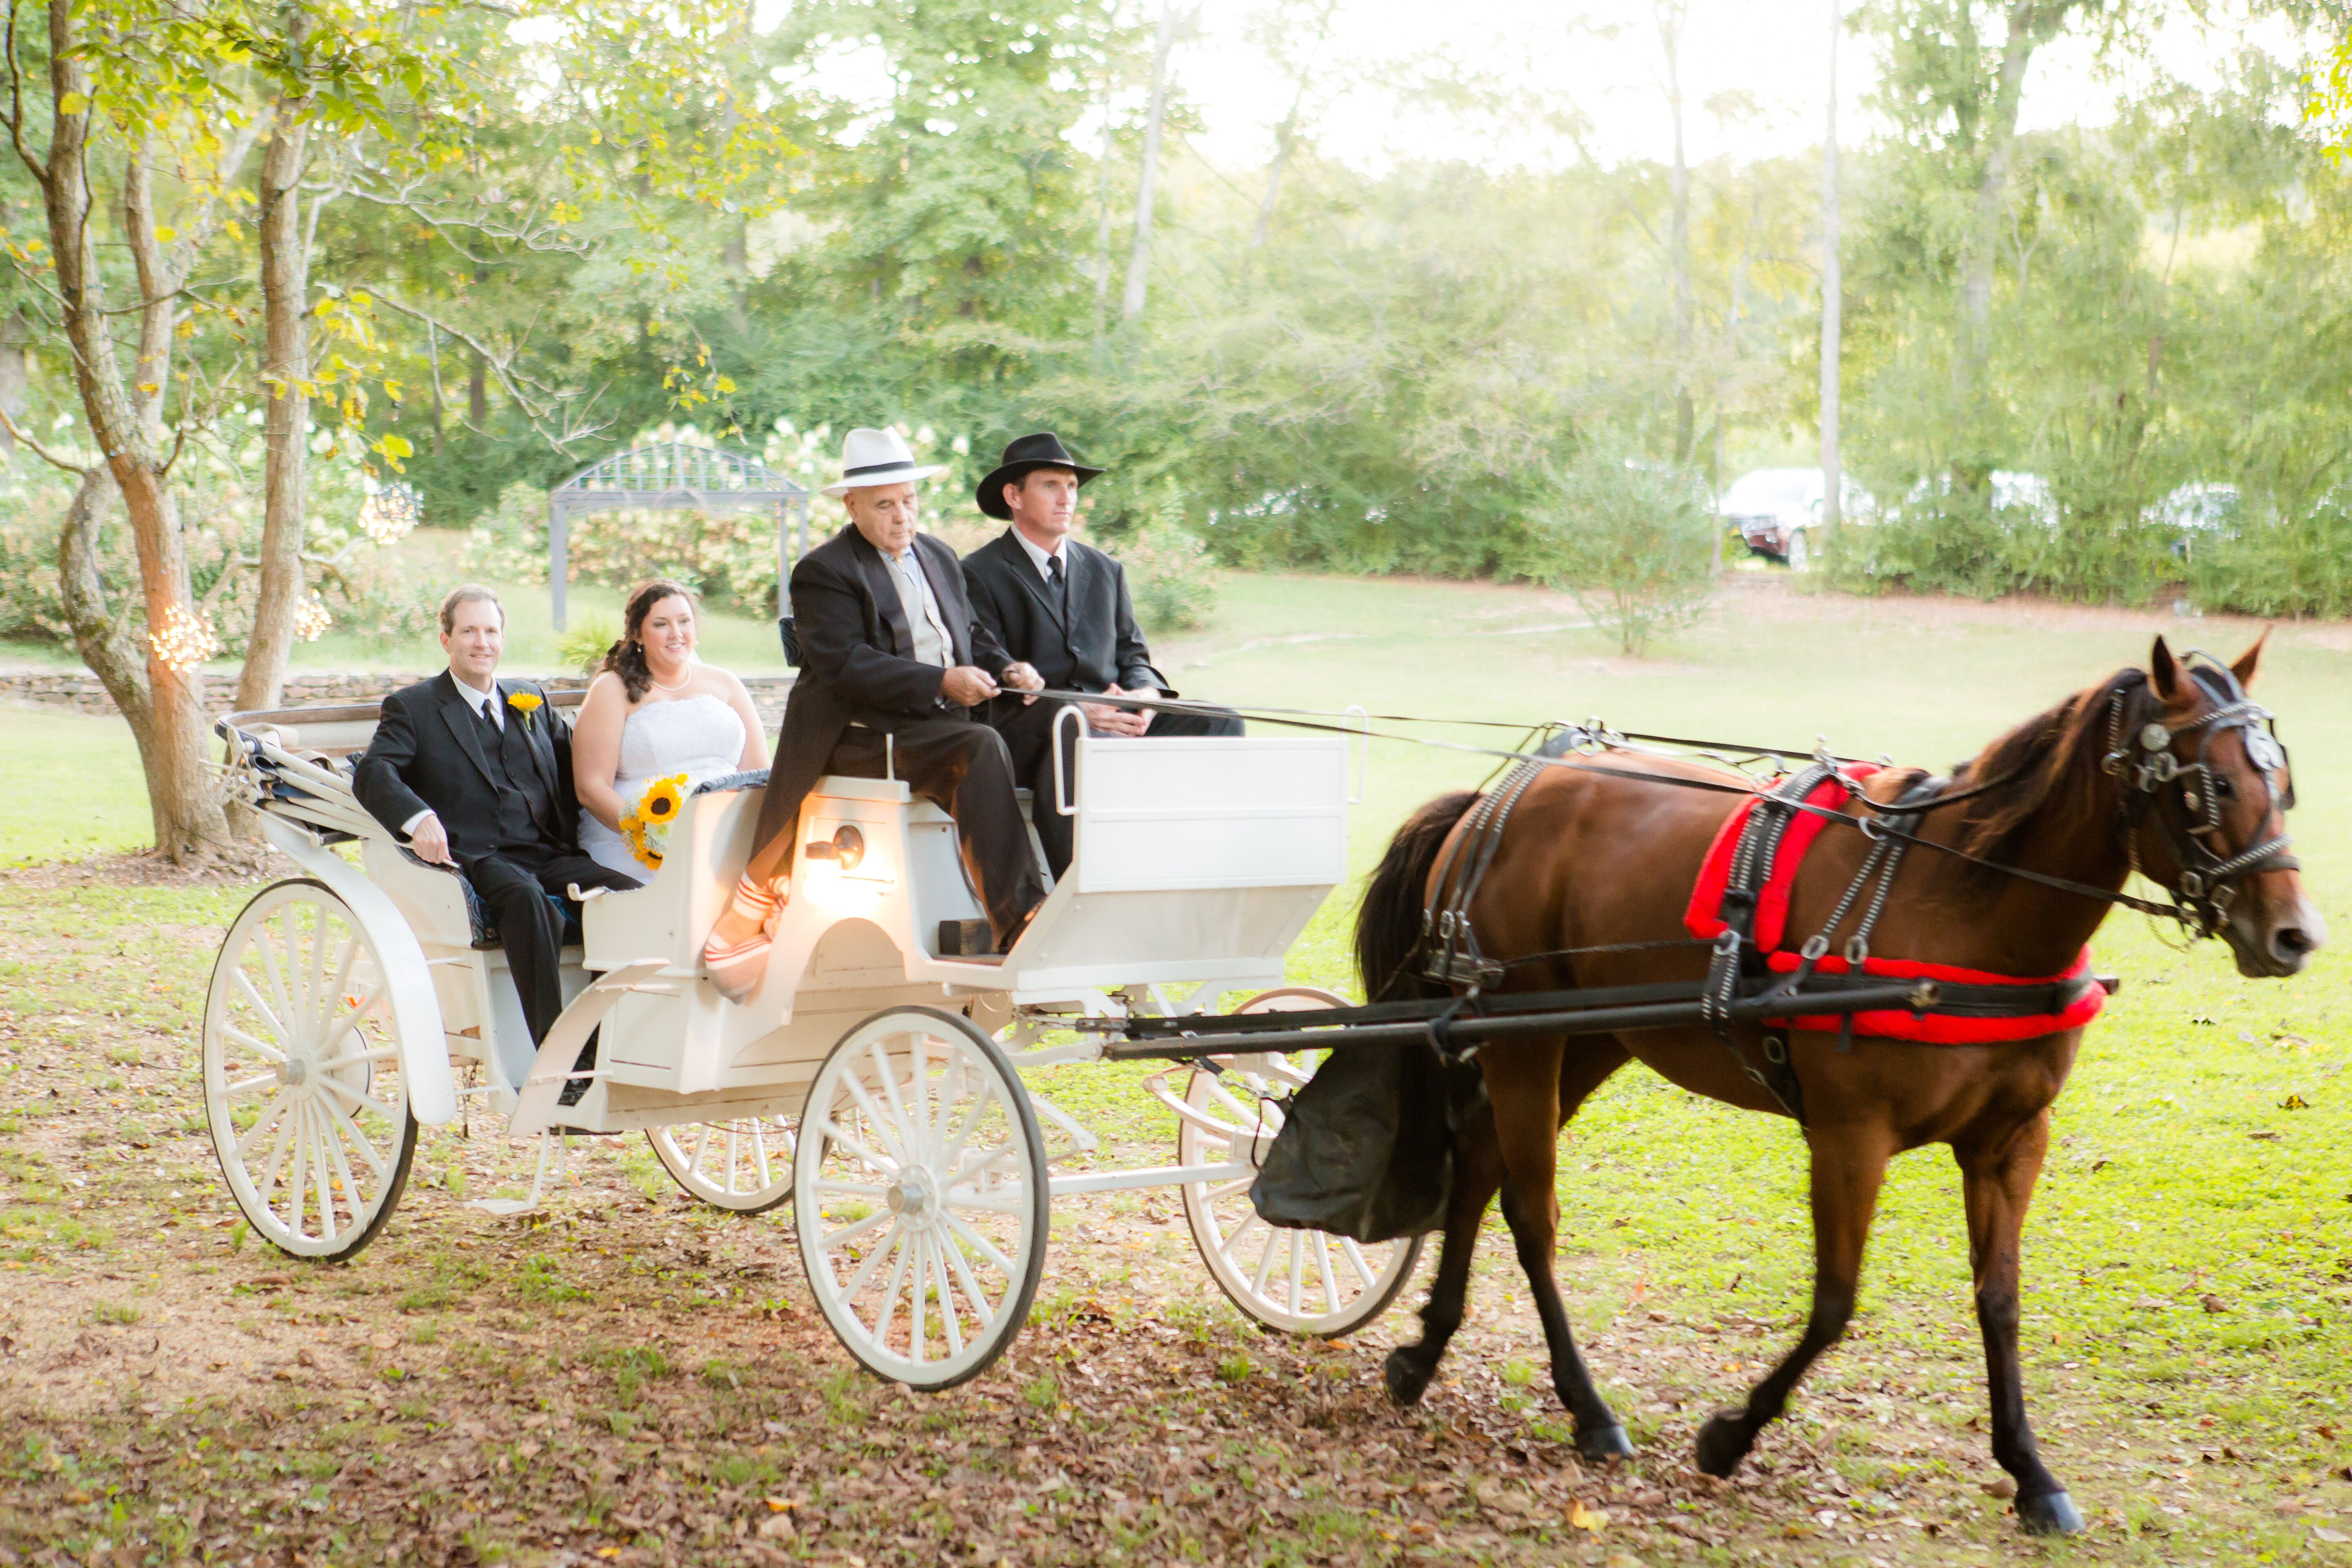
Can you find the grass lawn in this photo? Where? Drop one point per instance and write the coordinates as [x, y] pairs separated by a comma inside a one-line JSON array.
[[72, 784], [632, 1377]]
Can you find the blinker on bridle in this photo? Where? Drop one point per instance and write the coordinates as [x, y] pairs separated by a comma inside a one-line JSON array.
[[2208, 882]]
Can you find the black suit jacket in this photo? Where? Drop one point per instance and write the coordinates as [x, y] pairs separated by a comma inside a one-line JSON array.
[[1095, 644], [857, 659], [428, 756]]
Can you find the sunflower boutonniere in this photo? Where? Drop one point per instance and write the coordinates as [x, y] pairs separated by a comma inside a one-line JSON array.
[[525, 703]]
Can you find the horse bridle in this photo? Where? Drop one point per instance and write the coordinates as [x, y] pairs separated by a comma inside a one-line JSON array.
[[2142, 759]]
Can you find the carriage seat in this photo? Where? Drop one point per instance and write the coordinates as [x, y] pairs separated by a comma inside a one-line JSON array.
[[481, 922]]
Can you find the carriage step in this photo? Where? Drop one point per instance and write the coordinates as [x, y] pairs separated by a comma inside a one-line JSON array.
[[966, 939]]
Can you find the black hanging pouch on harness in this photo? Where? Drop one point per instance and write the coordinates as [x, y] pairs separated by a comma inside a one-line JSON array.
[[1367, 1151]]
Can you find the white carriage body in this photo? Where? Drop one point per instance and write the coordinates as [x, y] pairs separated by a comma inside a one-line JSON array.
[[1197, 863]]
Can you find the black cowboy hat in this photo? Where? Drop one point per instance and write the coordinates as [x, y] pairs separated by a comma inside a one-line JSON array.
[[1043, 450]]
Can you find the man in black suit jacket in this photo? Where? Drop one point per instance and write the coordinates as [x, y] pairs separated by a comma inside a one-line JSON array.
[[892, 661], [1063, 608], [476, 773]]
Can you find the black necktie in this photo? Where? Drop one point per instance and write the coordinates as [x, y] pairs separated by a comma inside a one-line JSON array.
[[482, 711], [1053, 573]]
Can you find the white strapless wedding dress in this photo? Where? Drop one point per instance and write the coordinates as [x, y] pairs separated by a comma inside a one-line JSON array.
[[701, 736]]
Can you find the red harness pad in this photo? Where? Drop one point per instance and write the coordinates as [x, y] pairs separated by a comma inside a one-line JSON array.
[[1704, 919]]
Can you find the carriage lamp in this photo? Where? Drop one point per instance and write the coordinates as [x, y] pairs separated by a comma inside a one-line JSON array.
[[845, 848]]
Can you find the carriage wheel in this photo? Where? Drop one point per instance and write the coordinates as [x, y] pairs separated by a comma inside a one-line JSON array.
[[1300, 1281], [304, 1093], [743, 1165], [920, 1190]]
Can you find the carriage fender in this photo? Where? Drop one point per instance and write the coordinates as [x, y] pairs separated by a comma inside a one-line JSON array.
[[407, 978]]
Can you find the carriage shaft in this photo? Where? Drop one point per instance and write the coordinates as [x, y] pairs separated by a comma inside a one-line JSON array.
[[1907, 996]]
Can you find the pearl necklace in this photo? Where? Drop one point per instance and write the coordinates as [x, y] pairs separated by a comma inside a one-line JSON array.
[[681, 686]]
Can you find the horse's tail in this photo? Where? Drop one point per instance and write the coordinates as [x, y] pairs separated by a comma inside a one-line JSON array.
[[1388, 925]]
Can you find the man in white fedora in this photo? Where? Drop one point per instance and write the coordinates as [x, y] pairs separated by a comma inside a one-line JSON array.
[[893, 664]]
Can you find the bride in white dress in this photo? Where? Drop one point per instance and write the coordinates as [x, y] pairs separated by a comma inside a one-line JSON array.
[[655, 712]]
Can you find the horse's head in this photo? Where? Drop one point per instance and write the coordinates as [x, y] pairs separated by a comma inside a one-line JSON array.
[[2206, 787]]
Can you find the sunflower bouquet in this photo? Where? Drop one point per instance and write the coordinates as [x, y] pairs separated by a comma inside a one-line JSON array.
[[647, 825]]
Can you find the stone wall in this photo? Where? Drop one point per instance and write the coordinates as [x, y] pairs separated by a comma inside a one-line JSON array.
[[78, 690]]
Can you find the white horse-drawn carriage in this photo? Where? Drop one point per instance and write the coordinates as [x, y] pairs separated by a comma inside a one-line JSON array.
[[871, 1082]]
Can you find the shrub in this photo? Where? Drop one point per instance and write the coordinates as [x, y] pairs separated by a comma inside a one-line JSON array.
[[2275, 565], [1632, 540]]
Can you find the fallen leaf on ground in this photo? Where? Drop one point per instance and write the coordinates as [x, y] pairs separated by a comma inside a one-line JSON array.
[[1583, 1518]]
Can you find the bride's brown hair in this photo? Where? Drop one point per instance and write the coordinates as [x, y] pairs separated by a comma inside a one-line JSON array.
[[626, 659]]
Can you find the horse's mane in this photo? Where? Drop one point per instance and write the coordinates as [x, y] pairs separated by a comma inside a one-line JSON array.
[[2047, 763]]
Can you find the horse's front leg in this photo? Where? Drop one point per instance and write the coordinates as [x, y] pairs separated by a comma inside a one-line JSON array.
[[1535, 1091], [1477, 1171], [1996, 1183], [1849, 1166]]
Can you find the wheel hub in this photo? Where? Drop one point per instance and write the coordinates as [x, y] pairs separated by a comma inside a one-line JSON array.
[[295, 1070], [914, 1195]]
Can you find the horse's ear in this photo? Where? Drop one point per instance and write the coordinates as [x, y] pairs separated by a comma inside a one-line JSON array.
[[2245, 664], [2164, 673]]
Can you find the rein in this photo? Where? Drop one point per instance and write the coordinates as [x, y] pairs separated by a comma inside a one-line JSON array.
[[2199, 899]]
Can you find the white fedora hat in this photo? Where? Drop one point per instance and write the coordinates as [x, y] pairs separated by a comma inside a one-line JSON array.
[[876, 457]]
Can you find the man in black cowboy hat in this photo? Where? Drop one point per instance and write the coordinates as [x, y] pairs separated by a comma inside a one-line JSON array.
[[1062, 607]]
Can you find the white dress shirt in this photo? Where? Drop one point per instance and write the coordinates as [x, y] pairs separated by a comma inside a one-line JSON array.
[[481, 703], [1039, 558]]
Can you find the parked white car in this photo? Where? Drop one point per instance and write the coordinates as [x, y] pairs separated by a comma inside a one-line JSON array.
[[1776, 509]]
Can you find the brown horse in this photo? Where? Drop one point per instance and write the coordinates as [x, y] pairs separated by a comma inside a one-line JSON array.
[[2083, 794]]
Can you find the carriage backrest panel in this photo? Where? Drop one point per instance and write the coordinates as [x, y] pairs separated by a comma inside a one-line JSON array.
[[344, 729], [1175, 814]]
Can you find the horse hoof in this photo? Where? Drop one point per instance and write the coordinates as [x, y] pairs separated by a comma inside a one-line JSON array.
[[1406, 1380], [1601, 1443], [2052, 1513], [1723, 1442]]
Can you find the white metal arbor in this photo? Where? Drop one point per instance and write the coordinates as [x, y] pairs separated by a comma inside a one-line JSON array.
[[673, 476]]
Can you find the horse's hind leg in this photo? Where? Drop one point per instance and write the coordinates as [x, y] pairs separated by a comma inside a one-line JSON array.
[[1477, 1171], [1849, 1166], [1535, 1091], [1997, 1183]]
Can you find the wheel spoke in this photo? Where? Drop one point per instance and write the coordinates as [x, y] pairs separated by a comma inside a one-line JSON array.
[[1323, 1268], [980, 1245], [889, 1309], [360, 1141], [269, 1015], [949, 1318], [827, 1241], [979, 1298], [918, 1287], [880, 1123], [373, 1054], [248, 1088], [343, 1166], [272, 1115], [888, 1082], [1265, 1263], [330, 994], [1355, 1257], [759, 1155], [874, 1257], [832, 1134], [973, 1198], [1297, 1266], [321, 1174], [365, 1101], [1219, 1193], [295, 1122], [852, 1190], [1249, 1222]]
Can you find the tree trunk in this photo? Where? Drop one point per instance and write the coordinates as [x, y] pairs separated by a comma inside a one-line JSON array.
[[1102, 229], [2031, 23], [16, 372], [101, 635], [1833, 293], [1670, 16], [1285, 135], [477, 393], [1139, 260], [285, 377], [188, 819]]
